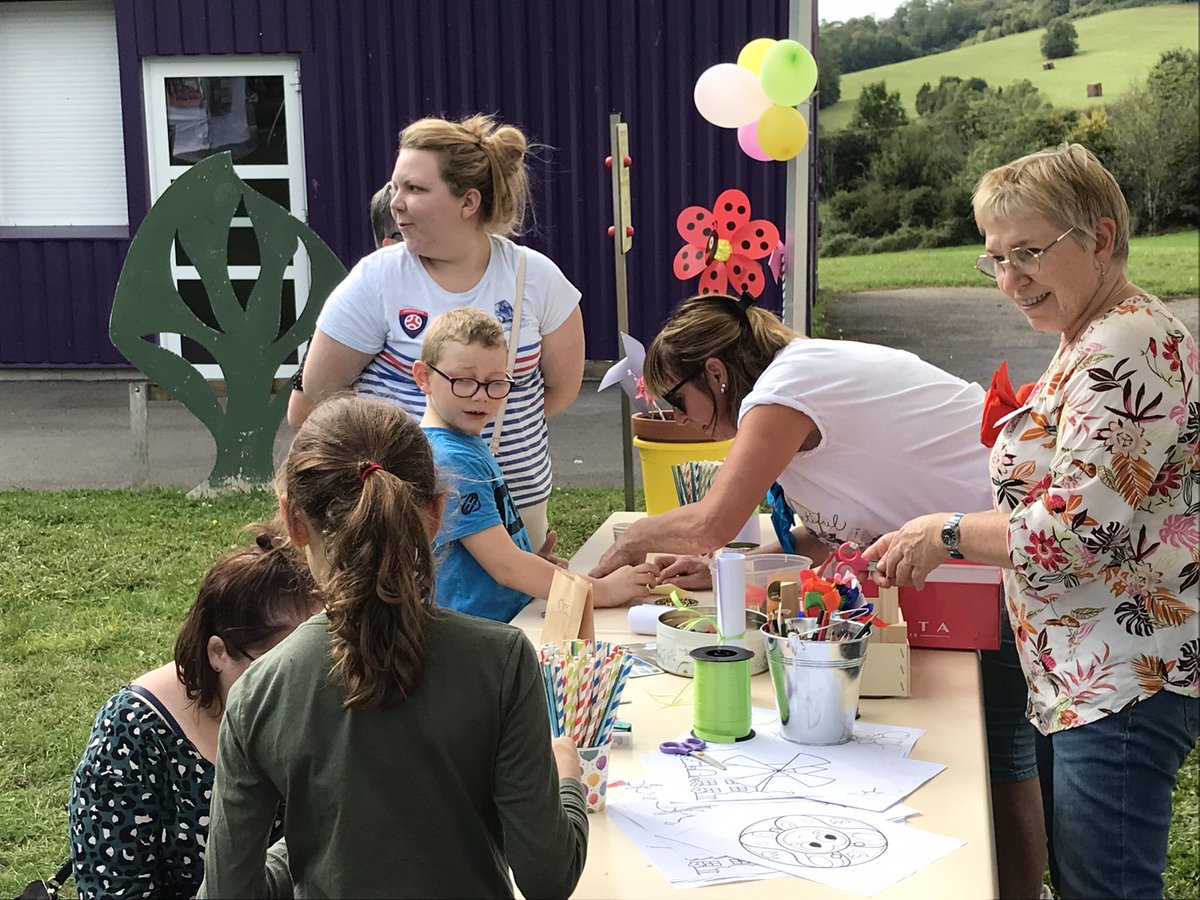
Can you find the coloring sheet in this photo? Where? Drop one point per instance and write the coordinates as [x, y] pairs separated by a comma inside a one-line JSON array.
[[769, 768], [897, 739], [682, 864], [858, 852]]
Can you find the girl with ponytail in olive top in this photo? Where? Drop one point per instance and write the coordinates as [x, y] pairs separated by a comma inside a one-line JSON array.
[[407, 743]]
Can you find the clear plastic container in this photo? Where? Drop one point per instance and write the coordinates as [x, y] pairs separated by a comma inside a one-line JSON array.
[[764, 568]]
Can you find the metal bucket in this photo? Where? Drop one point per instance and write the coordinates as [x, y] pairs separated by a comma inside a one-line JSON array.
[[816, 683], [675, 644]]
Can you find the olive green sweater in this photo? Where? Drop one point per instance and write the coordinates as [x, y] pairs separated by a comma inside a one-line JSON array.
[[435, 797]]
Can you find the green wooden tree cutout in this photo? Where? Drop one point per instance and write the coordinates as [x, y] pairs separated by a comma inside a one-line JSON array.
[[247, 339]]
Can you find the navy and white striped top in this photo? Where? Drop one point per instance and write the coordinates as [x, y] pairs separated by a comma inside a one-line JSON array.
[[385, 304]]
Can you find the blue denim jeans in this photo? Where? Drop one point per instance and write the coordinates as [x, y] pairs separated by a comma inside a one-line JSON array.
[[1106, 789], [1011, 756]]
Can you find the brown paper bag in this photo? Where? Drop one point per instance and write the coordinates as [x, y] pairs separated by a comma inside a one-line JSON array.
[[569, 609]]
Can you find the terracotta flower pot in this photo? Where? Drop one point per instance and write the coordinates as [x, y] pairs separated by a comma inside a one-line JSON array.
[[667, 430]]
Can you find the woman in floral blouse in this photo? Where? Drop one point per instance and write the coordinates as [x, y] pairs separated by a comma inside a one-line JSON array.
[[1096, 486]]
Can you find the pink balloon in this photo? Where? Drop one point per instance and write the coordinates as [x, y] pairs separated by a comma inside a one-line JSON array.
[[748, 141]]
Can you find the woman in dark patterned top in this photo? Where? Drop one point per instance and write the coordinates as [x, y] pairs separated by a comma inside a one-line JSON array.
[[138, 815]]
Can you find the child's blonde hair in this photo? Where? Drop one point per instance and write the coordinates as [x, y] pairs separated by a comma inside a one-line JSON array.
[[1066, 186], [464, 325]]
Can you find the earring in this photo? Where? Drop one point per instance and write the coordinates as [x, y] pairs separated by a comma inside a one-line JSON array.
[[722, 388], [1103, 272]]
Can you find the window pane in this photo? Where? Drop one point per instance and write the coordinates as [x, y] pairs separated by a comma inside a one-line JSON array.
[[240, 114]]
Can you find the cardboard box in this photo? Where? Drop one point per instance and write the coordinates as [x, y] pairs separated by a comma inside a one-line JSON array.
[[886, 670], [960, 608]]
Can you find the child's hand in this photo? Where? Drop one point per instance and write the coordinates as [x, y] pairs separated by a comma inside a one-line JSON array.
[[547, 551], [566, 758], [625, 584], [687, 572]]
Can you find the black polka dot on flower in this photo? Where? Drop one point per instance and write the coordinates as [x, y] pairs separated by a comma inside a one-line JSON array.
[[728, 207], [691, 226], [763, 245], [751, 276], [686, 266], [758, 232], [741, 210], [745, 245], [699, 217], [737, 270]]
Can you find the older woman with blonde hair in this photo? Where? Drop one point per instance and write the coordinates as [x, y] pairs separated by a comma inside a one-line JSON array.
[[1096, 488]]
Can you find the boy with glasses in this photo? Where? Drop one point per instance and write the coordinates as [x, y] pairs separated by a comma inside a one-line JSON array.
[[488, 567]]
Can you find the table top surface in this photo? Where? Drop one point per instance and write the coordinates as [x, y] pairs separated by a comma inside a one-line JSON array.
[[946, 702]]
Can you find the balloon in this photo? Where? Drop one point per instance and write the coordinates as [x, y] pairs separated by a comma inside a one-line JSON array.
[[751, 56], [748, 141], [789, 73], [728, 95], [782, 132]]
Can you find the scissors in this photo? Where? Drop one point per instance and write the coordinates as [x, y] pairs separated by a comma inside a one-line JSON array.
[[690, 747], [848, 559]]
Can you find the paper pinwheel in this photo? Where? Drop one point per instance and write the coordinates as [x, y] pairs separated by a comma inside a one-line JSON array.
[[628, 373], [723, 244]]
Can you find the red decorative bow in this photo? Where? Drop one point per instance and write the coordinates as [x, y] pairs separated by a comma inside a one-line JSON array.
[[999, 402]]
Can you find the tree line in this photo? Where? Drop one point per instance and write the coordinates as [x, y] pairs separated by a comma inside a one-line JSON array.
[[888, 183]]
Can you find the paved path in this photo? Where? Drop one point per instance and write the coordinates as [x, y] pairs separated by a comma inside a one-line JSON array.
[[68, 434]]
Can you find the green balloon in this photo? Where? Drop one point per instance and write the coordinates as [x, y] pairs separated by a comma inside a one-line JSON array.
[[789, 73]]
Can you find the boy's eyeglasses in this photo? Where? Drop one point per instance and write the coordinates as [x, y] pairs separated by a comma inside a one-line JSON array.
[[672, 396], [1023, 259], [467, 388]]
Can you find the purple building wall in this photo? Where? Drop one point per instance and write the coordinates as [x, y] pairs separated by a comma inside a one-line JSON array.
[[555, 68]]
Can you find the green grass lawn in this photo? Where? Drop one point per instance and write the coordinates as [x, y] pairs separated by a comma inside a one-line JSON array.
[[1116, 49], [1166, 265], [93, 586]]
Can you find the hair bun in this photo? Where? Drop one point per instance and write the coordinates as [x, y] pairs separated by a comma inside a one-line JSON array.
[[265, 541]]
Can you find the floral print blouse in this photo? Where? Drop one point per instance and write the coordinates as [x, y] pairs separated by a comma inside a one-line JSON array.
[[1100, 476]]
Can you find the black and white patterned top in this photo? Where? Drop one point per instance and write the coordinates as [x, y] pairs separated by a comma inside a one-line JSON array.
[[138, 816]]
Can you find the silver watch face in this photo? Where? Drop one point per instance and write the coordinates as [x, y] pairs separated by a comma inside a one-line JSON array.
[[950, 535]]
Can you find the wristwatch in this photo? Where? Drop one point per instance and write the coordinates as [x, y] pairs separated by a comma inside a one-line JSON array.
[[950, 536]]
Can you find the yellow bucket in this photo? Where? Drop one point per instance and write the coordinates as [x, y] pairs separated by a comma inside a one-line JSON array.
[[657, 459]]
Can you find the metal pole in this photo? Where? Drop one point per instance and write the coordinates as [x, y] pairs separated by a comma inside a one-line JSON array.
[[800, 258], [622, 235]]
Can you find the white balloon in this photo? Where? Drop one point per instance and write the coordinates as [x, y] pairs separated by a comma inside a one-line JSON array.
[[729, 95]]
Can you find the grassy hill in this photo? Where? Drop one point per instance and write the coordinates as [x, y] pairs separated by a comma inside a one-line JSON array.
[[1116, 49]]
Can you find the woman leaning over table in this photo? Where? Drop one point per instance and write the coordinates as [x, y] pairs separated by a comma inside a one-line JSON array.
[[461, 189], [861, 438], [1096, 489]]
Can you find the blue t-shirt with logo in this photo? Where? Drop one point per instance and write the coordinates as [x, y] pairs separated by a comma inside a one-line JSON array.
[[477, 499]]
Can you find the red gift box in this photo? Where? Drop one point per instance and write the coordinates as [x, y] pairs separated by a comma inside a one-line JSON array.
[[959, 608]]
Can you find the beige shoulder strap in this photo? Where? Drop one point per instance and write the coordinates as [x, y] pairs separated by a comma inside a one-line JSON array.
[[514, 340]]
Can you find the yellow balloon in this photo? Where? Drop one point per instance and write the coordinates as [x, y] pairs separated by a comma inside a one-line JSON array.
[[782, 132], [752, 54]]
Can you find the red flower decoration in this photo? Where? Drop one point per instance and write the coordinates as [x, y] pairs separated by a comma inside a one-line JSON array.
[[999, 402], [722, 246]]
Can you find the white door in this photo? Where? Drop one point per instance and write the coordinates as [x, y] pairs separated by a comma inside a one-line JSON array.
[[249, 106]]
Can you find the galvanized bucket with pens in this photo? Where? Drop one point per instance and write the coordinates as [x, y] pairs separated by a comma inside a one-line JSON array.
[[816, 659]]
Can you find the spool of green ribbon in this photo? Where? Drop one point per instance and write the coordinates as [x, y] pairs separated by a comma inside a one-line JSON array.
[[722, 703]]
